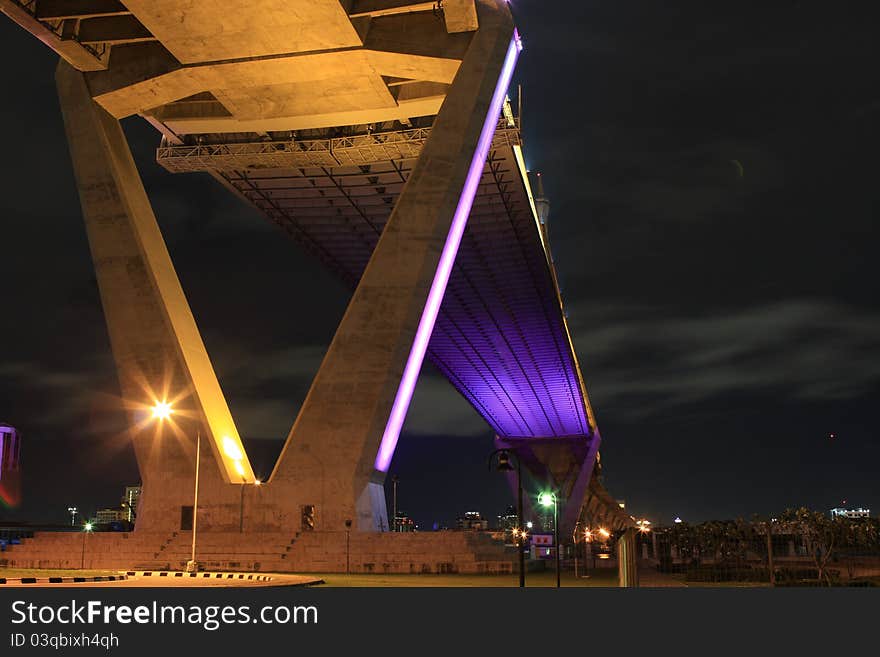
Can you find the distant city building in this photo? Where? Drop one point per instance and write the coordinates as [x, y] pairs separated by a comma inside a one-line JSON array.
[[107, 516], [403, 523], [850, 513], [10, 465], [130, 497], [473, 521], [509, 521]]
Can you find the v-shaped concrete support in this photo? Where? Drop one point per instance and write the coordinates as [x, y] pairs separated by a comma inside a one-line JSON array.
[[562, 465]]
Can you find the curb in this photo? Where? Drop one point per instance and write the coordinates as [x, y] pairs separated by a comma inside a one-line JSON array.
[[61, 580], [210, 575]]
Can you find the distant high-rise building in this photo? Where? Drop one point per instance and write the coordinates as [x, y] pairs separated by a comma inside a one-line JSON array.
[[403, 523], [10, 465], [129, 505], [107, 516], [509, 520], [473, 521], [850, 513]]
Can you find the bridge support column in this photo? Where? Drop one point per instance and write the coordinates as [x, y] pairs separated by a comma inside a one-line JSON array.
[[158, 351], [341, 444], [627, 559], [564, 465]]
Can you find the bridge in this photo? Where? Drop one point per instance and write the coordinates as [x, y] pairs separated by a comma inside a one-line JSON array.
[[379, 136]]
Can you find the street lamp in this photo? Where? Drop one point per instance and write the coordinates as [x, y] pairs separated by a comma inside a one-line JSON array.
[[87, 529], [520, 534], [545, 500], [590, 536], [394, 481], [72, 511], [162, 411]]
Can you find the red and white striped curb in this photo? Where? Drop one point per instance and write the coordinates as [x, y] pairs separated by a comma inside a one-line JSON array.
[[205, 575], [62, 580]]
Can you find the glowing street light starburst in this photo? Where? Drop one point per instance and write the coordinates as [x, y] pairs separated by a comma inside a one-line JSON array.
[[162, 410]]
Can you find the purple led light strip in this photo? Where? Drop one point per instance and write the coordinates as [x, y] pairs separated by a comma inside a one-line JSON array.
[[444, 269]]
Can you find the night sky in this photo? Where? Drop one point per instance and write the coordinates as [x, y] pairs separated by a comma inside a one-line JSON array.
[[727, 319]]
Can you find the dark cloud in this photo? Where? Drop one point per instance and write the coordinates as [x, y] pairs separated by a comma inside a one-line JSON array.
[[792, 351]]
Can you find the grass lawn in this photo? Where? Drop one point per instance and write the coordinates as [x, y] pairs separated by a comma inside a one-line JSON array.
[[540, 579], [49, 572]]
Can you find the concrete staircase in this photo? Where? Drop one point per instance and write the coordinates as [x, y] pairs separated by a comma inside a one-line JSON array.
[[72, 550], [426, 552]]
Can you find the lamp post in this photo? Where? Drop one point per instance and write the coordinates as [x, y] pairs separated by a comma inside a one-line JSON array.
[[72, 511], [348, 547], [545, 500], [87, 529], [590, 536], [394, 481], [504, 465], [162, 411], [192, 565]]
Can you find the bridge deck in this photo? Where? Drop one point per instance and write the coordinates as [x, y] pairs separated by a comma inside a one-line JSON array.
[[501, 338]]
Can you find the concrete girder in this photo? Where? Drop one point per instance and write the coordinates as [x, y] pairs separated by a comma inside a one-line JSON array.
[[113, 30], [400, 112], [415, 34], [61, 9], [215, 30], [460, 16], [74, 53], [145, 76], [375, 8], [297, 99]]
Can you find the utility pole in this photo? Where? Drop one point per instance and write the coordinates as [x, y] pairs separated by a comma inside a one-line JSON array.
[[193, 566], [394, 480], [519, 520]]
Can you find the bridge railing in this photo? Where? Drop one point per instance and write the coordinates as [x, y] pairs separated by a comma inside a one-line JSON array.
[[355, 150]]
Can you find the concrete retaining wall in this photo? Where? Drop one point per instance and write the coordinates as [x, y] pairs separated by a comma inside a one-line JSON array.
[[357, 552]]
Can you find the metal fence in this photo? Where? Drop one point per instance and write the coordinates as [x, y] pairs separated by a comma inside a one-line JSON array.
[[798, 548]]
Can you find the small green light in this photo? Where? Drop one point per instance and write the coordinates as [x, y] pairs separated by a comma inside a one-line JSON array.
[[545, 499]]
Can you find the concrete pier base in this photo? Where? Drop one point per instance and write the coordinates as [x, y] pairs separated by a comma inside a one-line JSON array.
[[308, 552]]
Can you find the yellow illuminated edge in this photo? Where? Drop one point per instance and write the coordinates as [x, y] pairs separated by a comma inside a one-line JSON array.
[[524, 174]]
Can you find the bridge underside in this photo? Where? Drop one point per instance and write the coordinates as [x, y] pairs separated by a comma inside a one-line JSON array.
[[500, 337]]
